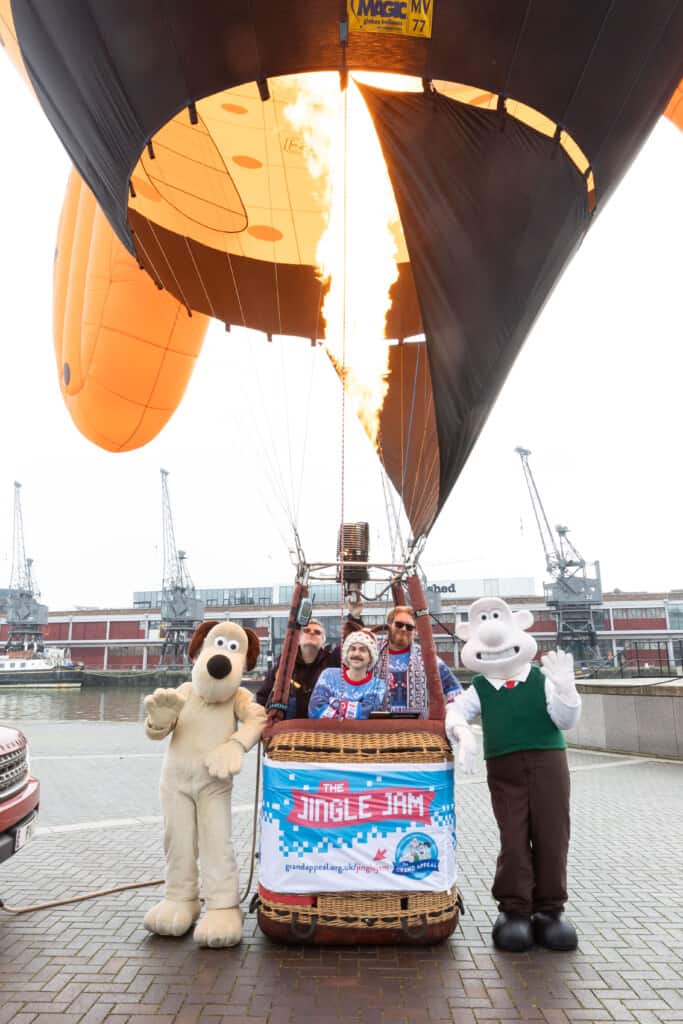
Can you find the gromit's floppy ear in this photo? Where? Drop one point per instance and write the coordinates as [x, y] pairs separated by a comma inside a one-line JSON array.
[[199, 636], [253, 648]]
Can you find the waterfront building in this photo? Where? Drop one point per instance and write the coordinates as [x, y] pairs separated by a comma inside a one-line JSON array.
[[633, 630]]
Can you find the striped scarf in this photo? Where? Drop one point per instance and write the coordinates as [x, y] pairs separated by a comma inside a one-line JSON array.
[[416, 684]]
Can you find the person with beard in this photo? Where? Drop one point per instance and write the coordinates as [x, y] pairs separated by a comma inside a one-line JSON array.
[[401, 665], [352, 691], [313, 656]]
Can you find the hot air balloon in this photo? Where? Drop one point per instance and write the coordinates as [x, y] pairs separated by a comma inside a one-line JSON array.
[[524, 122], [197, 193]]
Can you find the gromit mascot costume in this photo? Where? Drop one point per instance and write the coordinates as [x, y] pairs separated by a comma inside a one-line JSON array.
[[214, 723], [522, 712]]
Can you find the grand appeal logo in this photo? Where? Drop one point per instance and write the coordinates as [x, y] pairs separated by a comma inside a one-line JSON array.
[[398, 17], [417, 855]]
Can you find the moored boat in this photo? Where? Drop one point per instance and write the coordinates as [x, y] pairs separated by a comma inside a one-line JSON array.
[[51, 667]]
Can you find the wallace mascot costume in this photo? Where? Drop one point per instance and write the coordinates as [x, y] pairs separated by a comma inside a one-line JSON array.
[[523, 711], [214, 722]]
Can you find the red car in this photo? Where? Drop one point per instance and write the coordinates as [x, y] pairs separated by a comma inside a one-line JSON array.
[[19, 793]]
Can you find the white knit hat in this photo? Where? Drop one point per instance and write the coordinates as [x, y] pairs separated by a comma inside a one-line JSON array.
[[365, 638]]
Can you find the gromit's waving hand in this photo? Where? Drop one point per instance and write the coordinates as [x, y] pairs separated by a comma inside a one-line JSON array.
[[163, 708]]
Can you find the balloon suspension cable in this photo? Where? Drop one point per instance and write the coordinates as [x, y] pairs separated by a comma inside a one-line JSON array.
[[301, 563], [432, 616], [393, 519], [269, 451], [306, 432], [415, 548]]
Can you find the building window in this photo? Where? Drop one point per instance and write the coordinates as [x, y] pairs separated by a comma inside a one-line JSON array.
[[254, 623], [600, 618], [638, 613], [676, 616]]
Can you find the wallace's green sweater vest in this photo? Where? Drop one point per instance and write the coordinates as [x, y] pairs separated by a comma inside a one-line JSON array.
[[517, 718]]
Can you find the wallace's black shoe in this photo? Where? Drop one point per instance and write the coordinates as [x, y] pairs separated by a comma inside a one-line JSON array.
[[553, 931], [512, 933]]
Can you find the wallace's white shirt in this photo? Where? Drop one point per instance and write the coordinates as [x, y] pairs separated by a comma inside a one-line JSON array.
[[565, 716]]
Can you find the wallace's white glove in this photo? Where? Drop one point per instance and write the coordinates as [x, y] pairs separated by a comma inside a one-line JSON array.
[[558, 667], [458, 731]]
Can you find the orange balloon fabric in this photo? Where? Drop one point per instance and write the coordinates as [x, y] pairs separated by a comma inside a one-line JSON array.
[[125, 349], [674, 110]]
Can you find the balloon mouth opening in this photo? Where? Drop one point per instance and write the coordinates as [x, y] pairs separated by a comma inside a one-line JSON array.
[[290, 171], [230, 171]]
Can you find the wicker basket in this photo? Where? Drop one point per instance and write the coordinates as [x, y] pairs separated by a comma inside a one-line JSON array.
[[358, 917]]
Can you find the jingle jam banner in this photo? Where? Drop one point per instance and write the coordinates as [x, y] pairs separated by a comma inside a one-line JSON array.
[[357, 827]]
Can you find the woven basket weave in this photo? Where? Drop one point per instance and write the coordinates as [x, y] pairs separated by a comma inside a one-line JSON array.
[[358, 917], [409, 746]]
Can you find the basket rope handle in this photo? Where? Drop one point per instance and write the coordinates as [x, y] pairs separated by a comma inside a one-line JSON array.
[[437, 704]]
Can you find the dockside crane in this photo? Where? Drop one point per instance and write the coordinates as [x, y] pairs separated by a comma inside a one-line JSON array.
[[572, 593], [25, 615], [181, 609]]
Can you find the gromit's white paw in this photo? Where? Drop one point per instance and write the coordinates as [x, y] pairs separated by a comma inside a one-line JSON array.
[[163, 707], [172, 917], [224, 761], [219, 928]]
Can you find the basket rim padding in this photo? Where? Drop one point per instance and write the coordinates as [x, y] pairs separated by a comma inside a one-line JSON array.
[[362, 726]]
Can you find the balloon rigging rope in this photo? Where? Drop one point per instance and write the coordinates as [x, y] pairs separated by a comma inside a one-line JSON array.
[[288, 435], [287, 496], [307, 419], [409, 435], [298, 490], [616, 120], [562, 119], [291, 500], [518, 40], [269, 452], [392, 517]]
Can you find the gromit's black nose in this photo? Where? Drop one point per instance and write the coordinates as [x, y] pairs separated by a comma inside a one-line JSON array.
[[219, 666]]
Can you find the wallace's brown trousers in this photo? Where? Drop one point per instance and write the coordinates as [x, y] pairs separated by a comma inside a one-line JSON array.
[[530, 797]]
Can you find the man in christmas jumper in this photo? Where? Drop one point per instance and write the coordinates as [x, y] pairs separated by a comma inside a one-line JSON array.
[[523, 711], [400, 664], [352, 691], [314, 655]]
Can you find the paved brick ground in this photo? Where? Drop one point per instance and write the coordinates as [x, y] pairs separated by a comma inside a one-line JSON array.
[[93, 961]]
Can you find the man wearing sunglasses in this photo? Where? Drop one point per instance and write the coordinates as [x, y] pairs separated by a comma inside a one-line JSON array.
[[313, 655], [400, 664]]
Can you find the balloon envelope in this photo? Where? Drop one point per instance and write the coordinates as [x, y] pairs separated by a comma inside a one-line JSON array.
[[530, 115]]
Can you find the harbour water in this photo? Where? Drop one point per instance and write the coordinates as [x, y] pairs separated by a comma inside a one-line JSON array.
[[90, 703]]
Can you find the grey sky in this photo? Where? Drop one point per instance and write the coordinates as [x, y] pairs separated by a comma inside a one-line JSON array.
[[595, 395]]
